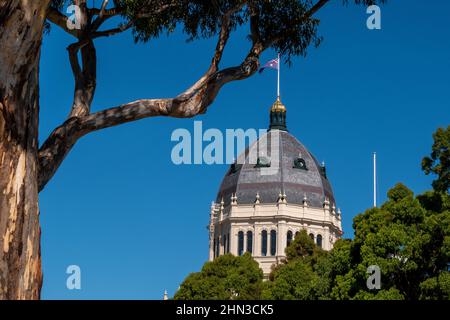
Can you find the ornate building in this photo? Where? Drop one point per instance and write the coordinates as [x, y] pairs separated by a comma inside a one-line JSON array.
[[261, 211]]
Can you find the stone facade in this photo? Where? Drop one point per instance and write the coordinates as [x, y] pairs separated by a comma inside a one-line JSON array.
[[282, 217]]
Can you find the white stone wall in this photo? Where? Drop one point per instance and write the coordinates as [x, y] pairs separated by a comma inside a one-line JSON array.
[[280, 217]]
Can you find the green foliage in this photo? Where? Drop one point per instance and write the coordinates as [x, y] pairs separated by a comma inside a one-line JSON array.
[[399, 192], [226, 278], [302, 247], [436, 288], [408, 238], [390, 294], [439, 160], [285, 21], [294, 281], [298, 278], [283, 25]]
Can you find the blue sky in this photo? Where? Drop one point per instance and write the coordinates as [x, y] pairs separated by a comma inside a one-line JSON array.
[[135, 223]]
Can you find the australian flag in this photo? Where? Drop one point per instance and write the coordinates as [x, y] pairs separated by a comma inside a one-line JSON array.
[[273, 64]]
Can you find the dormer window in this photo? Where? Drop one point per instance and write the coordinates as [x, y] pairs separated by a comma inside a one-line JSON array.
[[262, 162], [299, 163], [234, 168], [323, 169]]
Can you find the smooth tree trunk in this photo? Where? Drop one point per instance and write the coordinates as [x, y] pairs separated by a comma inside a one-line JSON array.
[[21, 26]]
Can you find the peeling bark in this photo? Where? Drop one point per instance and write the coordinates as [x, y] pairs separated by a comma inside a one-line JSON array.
[[21, 25]]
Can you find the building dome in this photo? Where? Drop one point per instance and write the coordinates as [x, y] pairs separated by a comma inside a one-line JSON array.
[[295, 173], [291, 170], [275, 189]]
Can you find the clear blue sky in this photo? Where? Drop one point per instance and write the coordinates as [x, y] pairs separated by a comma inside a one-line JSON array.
[[136, 223]]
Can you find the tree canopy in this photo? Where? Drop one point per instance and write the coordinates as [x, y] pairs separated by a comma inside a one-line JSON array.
[[226, 278], [439, 160]]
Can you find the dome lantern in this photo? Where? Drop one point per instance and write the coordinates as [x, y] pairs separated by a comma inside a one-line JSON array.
[[278, 116]]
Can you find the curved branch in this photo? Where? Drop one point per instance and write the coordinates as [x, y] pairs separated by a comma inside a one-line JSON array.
[[85, 77], [193, 101], [56, 17], [188, 104]]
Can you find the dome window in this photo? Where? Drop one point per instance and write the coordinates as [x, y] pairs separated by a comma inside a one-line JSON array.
[[299, 163], [234, 168], [319, 241], [217, 247], [262, 162], [250, 241], [240, 243], [264, 243], [323, 169], [289, 237], [273, 242]]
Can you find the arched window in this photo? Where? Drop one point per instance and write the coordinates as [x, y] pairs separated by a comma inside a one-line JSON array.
[[217, 247], [240, 243], [224, 240], [289, 237], [273, 242], [264, 243], [228, 243], [319, 241], [249, 241], [311, 236], [296, 234], [214, 248]]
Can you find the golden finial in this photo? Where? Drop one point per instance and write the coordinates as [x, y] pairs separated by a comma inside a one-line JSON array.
[[278, 106]]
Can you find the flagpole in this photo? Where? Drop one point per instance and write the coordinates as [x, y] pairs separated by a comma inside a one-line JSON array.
[[278, 80], [375, 179]]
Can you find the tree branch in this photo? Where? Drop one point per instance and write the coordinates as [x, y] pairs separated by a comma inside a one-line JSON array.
[[111, 32], [193, 101], [190, 103], [107, 12], [306, 16], [85, 77], [103, 8], [316, 8], [60, 20], [121, 28]]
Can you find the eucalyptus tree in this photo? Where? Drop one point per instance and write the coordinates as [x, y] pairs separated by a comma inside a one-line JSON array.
[[26, 165]]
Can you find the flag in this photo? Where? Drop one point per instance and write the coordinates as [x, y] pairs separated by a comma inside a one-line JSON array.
[[273, 64]]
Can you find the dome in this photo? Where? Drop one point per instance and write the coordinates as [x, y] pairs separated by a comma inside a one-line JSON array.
[[299, 175]]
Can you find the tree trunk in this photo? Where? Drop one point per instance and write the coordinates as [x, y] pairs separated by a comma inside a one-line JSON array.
[[21, 26]]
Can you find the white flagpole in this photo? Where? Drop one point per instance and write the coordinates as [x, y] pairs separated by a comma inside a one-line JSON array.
[[278, 80], [374, 179]]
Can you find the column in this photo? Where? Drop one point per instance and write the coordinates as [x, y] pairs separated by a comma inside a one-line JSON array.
[[281, 238]]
